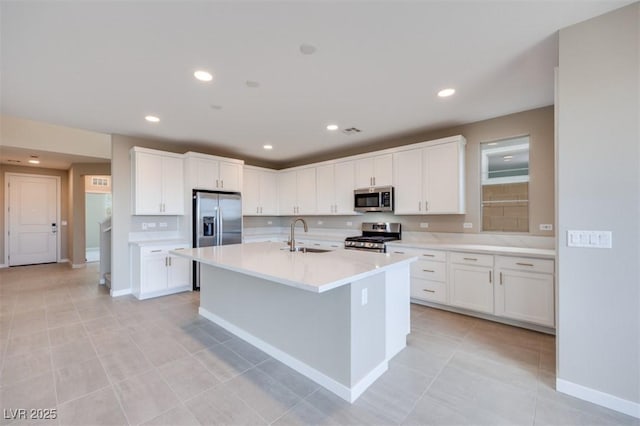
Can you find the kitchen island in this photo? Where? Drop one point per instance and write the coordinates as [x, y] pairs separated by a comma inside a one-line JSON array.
[[337, 317]]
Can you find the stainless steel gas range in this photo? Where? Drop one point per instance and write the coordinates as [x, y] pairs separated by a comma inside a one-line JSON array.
[[374, 236]]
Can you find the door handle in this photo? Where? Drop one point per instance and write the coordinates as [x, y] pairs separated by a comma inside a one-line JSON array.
[[54, 228]]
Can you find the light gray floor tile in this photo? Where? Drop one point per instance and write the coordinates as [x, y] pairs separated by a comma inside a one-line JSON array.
[[303, 414], [145, 396], [36, 392], [98, 408], [25, 366], [222, 362], [299, 384], [162, 351], [263, 393], [219, 407], [551, 411], [61, 318], [112, 340], [429, 412], [338, 411], [72, 353], [24, 344], [246, 350], [174, 417], [67, 334], [187, 377], [217, 332], [91, 313], [80, 379], [193, 339], [124, 363]]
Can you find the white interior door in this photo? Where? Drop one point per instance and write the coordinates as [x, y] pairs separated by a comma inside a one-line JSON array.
[[33, 224]]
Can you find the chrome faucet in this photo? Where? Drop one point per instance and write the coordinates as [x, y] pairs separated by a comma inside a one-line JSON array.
[[292, 239]]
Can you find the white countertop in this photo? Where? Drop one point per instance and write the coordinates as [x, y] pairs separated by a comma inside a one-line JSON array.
[[477, 248], [316, 272], [158, 242]]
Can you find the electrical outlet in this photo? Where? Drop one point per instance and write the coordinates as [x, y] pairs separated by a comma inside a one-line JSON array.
[[162, 224], [269, 222], [365, 296], [424, 224], [546, 227], [151, 225], [144, 226], [349, 223], [320, 222], [467, 225]]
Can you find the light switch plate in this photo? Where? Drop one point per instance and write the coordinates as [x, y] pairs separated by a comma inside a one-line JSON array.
[[589, 239], [467, 225], [365, 296]]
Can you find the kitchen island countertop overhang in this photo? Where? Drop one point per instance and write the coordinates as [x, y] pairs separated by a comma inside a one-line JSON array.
[[336, 317], [316, 272]]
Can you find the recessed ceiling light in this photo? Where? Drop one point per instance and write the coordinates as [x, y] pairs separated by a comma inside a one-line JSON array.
[[203, 75], [307, 49], [152, 118], [332, 127], [446, 92], [493, 143], [508, 157], [34, 159], [267, 147]]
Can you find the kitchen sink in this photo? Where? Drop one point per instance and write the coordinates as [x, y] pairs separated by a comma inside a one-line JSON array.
[[307, 250]]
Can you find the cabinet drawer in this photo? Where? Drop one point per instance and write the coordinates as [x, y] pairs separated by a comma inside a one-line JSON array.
[[429, 290], [525, 264], [472, 259], [429, 270], [162, 249], [434, 255]]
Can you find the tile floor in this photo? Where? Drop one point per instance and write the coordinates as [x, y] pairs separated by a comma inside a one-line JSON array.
[[65, 344]]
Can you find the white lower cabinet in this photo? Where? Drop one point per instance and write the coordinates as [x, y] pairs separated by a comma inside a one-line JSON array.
[[525, 290], [155, 272], [507, 288], [471, 281]]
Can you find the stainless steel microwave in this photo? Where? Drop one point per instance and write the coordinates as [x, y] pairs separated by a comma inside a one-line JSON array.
[[378, 199]]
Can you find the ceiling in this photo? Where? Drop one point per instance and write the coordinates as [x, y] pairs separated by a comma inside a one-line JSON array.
[[377, 66], [49, 160]]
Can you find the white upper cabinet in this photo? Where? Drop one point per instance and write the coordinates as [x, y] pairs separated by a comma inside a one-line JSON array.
[[158, 182], [297, 192], [430, 180], [376, 170], [335, 185], [259, 192], [213, 173]]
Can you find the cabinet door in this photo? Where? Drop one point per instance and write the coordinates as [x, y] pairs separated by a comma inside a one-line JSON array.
[[364, 172], [306, 191], [172, 186], [178, 272], [325, 190], [148, 184], [230, 177], [154, 272], [444, 189], [525, 296], [251, 192], [206, 174], [344, 179], [383, 170], [287, 203], [471, 287], [268, 193], [409, 182]]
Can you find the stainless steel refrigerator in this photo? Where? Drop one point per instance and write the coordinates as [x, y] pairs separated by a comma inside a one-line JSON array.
[[217, 220]]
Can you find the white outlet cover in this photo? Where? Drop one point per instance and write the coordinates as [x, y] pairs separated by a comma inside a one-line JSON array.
[[162, 224], [349, 223], [269, 222], [365, 296], [546, 227], [320, 222], [151, 225], [424, 224], [467, 225]]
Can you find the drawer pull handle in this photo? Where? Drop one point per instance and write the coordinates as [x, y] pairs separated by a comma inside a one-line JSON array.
[[399, 252], [428, 270], [179, 248], [470, 258], [490, 278], [428, 291], [316, 244], [524, 264], [500, 278], [429, 255], [156, 251]]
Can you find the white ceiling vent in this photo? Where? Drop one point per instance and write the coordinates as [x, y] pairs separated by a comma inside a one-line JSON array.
[[351, 131]]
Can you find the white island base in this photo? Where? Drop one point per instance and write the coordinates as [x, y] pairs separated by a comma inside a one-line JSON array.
[[342, 338]]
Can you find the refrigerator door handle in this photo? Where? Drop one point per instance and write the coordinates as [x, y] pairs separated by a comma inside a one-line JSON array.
[[220, 230]]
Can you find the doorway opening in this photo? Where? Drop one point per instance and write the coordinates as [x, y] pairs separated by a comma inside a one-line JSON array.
[[97, 210]]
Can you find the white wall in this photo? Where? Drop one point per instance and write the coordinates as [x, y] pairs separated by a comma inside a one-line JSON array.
[[599, 189]]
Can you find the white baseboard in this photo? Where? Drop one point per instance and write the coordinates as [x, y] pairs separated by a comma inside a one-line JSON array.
[[344, 392], [3, 265], [78, 265], [615, 403], [64, 261], [117, 293]]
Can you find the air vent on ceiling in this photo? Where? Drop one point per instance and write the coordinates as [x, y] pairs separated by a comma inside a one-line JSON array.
[[351, 131]]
